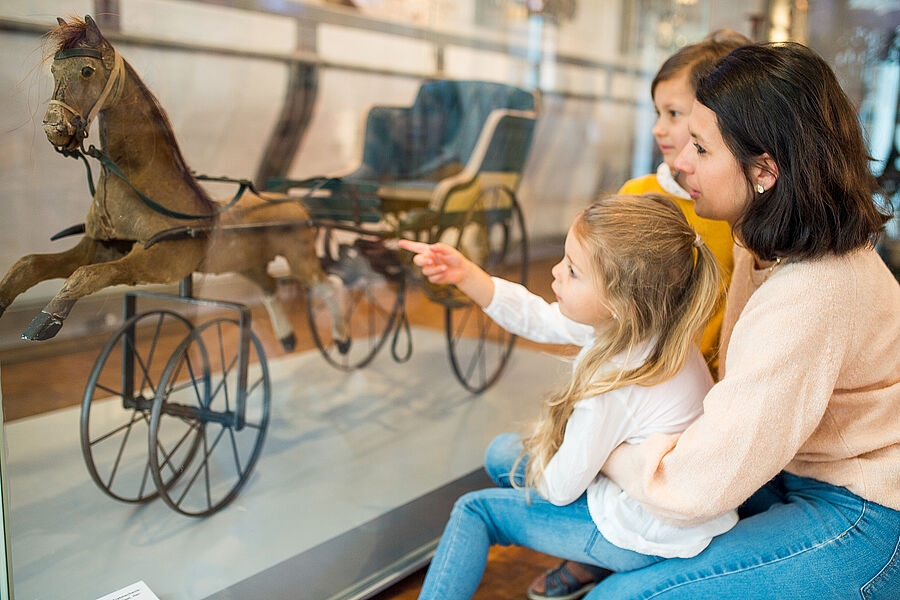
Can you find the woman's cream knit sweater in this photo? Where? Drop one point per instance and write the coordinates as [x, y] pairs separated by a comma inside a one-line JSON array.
[[810, 384]]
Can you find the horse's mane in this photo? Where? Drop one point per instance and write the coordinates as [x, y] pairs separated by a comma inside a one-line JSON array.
[[71, 34], [169, 135]]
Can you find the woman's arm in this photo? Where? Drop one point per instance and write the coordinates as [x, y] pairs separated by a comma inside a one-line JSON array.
[[783, 360]]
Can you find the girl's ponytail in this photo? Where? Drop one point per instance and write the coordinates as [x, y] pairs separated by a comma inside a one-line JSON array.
[[699, 302]]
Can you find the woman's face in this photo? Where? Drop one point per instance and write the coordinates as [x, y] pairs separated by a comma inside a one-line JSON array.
[[712, 175], [673, 99]]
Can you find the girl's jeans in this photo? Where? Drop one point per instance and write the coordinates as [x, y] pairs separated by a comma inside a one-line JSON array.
[[798, 538], [508, 516]]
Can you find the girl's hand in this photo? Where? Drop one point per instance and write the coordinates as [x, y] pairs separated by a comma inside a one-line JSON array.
[[443, 264], [440, 263]]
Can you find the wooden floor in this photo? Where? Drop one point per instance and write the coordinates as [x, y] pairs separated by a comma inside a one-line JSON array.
[[52, 376], [509, 571]]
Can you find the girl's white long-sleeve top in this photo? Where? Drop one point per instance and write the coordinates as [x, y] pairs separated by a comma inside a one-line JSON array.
[[600, 423]]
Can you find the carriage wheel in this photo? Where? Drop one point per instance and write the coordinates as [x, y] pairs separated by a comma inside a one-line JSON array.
[[373, 292], [115, 411], [491, 234], [199, 396]]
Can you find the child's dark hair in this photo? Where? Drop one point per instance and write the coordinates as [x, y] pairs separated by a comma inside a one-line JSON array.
[[697, 59], [783, 100]]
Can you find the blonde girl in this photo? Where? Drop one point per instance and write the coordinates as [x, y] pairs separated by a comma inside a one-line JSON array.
[[634, 290]]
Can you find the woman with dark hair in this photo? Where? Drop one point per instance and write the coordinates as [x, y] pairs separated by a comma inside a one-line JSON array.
[[802, 430]]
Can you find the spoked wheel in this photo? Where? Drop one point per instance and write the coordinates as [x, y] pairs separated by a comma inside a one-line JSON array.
[[202, 396], [372, 292], [491, 234], [115, 411]]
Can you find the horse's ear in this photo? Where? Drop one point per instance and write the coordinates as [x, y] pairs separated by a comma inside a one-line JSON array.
[[60, 20], [92, 32]]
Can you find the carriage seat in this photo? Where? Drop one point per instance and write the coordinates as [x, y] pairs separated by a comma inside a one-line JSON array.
[[457, 138], [435, 137]]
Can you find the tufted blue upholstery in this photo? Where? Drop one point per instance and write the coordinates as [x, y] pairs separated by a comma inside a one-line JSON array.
[[440, 129]]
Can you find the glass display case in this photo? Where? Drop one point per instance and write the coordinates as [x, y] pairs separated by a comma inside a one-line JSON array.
[[303, 427]]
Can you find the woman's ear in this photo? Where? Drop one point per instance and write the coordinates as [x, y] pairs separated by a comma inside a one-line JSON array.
[[765, 172]]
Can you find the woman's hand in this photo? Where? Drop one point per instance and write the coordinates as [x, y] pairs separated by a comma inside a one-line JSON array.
[[444, 264]]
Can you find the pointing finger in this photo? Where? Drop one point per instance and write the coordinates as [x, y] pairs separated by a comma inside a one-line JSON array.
[[417, 247]]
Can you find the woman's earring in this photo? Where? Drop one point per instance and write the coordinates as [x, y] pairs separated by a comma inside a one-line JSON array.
[[759, 188]]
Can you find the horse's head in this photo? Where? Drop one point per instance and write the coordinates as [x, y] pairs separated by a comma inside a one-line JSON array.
[[85, 69]]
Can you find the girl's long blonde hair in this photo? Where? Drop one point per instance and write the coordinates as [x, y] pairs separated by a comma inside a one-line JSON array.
[[662, 284]]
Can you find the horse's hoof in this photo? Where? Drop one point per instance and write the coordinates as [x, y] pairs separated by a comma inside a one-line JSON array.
[[42, 327], [343, 346], [289, 342]]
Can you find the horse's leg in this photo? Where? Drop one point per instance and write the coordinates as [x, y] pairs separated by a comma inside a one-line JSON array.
[[280, 322], [34, 268], [304, 265], [165, 262]]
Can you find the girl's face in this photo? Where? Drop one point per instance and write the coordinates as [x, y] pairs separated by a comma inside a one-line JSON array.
[[673, 99], [575, 285], [712, 174]]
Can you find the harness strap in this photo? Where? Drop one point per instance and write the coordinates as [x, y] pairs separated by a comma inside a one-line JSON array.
[[84, 123], [64, 105], [401, 326], [113, 168], [113, 78], [70, 52]]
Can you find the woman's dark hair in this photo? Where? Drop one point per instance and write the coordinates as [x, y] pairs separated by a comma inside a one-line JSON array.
[[783, 100], [697, 59]]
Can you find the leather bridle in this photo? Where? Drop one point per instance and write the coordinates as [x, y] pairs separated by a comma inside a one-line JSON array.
[[81, 122]]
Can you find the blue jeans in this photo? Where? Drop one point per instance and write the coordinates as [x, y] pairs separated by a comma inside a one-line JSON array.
[[508, 516], [797, 538]]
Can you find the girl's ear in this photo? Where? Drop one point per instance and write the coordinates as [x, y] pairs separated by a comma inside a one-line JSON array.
[[765, 172]]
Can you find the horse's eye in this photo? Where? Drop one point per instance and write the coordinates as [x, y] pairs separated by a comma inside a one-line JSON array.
[[87, 71]]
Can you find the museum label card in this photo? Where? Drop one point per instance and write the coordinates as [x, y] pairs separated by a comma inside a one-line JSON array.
[[135, 591]]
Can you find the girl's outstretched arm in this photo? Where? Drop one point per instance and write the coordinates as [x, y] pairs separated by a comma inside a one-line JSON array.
[[443, 264]]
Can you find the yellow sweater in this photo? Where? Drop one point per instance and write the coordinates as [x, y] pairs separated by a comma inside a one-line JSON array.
[[716, 235]]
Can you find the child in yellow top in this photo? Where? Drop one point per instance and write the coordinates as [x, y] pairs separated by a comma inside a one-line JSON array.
[[673, 96]]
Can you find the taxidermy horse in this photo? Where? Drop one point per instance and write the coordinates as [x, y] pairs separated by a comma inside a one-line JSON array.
[[145, 187]]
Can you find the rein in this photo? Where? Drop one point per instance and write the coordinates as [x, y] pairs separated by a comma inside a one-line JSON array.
[[82, 124], [112, 167]]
